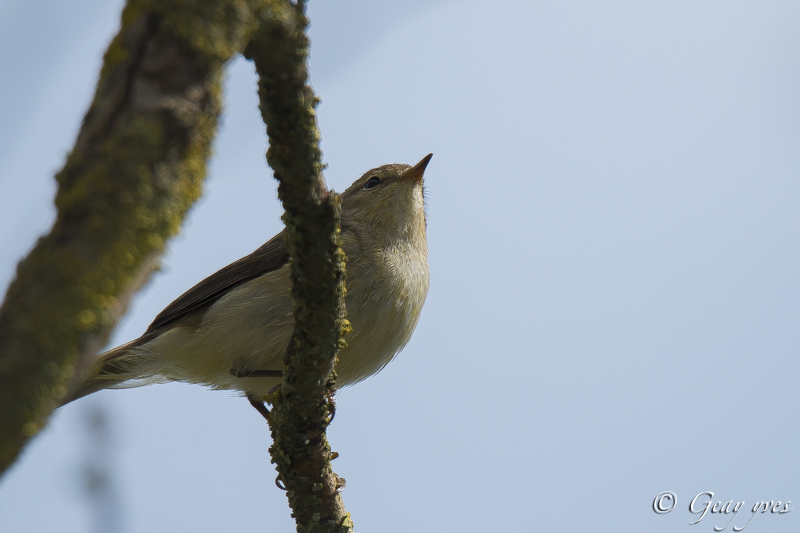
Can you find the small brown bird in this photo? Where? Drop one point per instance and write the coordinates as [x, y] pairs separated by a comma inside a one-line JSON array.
[[236, 323]]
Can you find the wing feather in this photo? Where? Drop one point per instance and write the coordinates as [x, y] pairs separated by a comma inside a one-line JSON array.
[[271, 256]]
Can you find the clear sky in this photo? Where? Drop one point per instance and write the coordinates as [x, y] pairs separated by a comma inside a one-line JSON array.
[[614, 234]]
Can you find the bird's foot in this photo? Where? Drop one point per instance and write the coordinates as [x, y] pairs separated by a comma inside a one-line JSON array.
[[340, 483], [260, 406], [273, 396], [331, 404]]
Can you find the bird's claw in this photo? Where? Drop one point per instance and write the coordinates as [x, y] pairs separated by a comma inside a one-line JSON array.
[[331, 404], [273, 396]]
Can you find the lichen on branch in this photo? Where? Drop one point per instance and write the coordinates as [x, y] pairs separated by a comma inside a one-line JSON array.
[[137, 166], [300, 451]]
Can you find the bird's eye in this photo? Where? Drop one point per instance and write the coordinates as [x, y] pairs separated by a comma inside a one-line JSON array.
[[373, 182]]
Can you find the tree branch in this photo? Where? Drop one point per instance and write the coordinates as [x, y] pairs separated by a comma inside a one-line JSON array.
[[298, 420], [136, 168]]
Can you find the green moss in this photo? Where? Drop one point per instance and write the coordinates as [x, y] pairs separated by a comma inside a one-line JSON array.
[[217, 29], [298, 420], [124, 190]]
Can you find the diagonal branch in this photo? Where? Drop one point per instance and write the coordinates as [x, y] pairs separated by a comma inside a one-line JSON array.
[[300, 450], [136, 168]]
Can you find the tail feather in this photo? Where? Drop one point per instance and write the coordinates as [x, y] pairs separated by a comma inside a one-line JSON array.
[[114, 369]]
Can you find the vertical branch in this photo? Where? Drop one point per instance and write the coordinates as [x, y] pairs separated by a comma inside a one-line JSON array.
[[300, 450], [136, 168]]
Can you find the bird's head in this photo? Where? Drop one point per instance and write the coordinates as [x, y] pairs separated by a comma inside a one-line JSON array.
[[387, 200]]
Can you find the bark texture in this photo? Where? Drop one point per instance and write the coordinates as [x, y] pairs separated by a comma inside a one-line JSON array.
[[136, 168], [303, 409]]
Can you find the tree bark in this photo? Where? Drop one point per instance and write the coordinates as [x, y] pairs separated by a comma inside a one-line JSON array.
[[136, 168], [303, 409]]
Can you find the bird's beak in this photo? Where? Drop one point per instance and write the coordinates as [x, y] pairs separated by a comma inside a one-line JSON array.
[[414, 174]]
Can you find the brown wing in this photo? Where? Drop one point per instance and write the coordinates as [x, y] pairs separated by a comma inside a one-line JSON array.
[[269, 257]]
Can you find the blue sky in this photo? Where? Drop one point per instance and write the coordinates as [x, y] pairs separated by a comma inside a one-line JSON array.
[[613, 229]]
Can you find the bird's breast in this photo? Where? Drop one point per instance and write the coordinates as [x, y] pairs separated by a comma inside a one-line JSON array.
[[385, 294]]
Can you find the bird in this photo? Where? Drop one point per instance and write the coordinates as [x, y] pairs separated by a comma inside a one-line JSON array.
[[230, 331]]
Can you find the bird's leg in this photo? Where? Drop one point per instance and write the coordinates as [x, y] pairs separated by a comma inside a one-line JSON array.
[[260, 406], [237, 373]]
